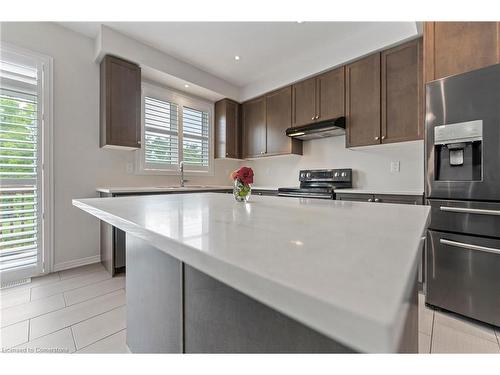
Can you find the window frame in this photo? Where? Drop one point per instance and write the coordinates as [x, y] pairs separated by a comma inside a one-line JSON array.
[[181, 100], [45, 158]]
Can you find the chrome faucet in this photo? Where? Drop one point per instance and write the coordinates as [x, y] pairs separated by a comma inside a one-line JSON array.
[[181, 169]]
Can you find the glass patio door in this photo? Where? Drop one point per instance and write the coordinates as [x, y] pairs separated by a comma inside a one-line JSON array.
[[21, 250]]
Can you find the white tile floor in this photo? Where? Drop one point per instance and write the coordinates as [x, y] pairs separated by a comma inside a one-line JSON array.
[[83, 310], [78, 310]]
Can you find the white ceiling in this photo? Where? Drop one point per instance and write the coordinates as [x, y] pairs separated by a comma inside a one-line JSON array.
[[277, 52]]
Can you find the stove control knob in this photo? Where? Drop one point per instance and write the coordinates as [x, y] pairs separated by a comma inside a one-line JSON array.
[[343, 174], [302, 175], [336, 174], [308, 175]]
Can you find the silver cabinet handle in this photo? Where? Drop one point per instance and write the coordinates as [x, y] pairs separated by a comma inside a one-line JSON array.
[[477, 211], [376, 200], [469, 246], [370, 200], [376, 138], [312, 118]]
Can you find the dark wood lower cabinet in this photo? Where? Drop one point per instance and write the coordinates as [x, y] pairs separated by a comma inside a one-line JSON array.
[[381, 198]]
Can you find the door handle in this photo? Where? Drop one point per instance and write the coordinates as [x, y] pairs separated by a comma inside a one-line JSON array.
[[477, 211], [469, 246]]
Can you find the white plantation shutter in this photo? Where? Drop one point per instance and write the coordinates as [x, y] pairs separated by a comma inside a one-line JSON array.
[[175, 129], [195, 133], [161, 130], [20, 172]]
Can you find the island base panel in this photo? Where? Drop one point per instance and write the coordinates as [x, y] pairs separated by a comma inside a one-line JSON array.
[[154, 299], [175, 308], [220, 319]]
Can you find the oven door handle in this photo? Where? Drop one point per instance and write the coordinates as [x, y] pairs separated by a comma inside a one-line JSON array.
[[304, 196], [469, 246], [477, 211]]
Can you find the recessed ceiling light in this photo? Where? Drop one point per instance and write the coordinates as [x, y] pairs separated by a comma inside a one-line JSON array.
[[186, 85], [236, 57], [300, 21]]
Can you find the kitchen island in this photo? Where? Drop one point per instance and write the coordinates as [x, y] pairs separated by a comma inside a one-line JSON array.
[[208, 274]]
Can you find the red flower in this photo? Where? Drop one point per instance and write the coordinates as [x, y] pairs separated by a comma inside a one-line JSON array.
[[244, 174]]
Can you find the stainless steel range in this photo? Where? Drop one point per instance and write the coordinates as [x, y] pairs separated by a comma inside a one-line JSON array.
[[463, 189], [319, 183]]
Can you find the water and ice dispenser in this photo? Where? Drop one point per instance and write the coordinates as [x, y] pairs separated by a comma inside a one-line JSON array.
[[458, 151]]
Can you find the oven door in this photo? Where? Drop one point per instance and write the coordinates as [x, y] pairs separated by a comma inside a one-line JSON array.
[[463, 275], [469, 97]]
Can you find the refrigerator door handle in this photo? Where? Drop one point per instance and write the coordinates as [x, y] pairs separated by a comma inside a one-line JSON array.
[[469, 246], [477, 211]]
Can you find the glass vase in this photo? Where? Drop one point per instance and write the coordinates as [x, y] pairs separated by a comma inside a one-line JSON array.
[[241, 191]]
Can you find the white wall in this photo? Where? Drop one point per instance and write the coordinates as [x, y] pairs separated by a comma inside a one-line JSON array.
[[79, 164], [371, 164]]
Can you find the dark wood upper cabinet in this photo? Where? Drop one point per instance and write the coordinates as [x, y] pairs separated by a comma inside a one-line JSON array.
[[458, 47], [330, 95], [402, 93], [254, 127], [120, 103], [304, 102], [363, 101], [227, 129], [319, 98], [278, 119]]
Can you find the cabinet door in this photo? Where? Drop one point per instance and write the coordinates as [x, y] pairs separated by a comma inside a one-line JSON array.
[[227, 129], [354, 197], [459, 47], [331, 95], [279, 118], [254, 127], [399, 199], [402, 93], [120, 118], [363, 101], [304, 102]]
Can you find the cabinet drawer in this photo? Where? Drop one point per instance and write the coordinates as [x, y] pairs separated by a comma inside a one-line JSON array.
[[478, 218], [354, 197], [462, 275], [399, 199]]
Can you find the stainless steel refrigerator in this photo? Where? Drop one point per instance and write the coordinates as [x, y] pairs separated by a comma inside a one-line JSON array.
[[462, 186]]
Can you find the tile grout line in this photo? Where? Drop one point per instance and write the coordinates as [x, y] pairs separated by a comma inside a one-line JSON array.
[[78, 287], [41, 337], [432, 331], [73, 336], [84, 320], [60, 329], [79, 274], [30, 286], [104, 338], [62, 308]]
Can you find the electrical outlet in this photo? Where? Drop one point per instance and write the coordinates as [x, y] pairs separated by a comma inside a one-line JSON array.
[[395, 166], [129, 168]]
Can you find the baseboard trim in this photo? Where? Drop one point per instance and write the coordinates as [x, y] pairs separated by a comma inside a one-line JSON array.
[[76, 263]]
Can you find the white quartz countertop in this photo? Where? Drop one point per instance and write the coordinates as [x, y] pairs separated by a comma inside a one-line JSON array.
[[379, 191], [342, 268], [171, 188]]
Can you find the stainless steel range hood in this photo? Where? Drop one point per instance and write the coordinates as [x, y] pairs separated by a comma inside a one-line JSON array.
[[329, 128]]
